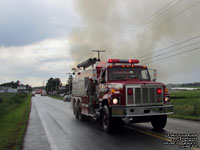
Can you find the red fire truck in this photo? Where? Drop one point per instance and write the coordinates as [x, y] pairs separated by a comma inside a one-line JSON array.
[[38, 91], [119, 91]]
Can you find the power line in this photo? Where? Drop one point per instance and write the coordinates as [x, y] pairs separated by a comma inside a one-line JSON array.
[[195, 4], [197, 48], [130, 29], [170, 50], [170, 46], [154, 16], [181, 12]]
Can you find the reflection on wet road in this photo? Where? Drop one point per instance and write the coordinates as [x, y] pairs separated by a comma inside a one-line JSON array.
[[52, 126]]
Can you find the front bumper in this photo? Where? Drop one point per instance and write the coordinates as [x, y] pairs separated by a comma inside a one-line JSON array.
[[141, 111]]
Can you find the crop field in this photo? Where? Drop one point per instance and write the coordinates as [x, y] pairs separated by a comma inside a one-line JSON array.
[[14, 115], [186, 104]]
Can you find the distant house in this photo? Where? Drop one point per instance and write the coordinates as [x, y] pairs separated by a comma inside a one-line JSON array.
[[4, 89], [11, 90], [21, 89], [62, 89], [184, 88]]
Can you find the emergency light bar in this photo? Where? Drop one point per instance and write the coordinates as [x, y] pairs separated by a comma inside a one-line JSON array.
[[132, 61]]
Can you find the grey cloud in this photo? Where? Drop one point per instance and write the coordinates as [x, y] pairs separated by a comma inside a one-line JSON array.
[[25, 22], [56, 59], [23, 72]]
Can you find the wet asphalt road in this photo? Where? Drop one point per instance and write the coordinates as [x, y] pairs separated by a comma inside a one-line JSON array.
[[52, 126]]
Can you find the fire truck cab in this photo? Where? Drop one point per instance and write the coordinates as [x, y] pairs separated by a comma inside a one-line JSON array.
[[119, 90]]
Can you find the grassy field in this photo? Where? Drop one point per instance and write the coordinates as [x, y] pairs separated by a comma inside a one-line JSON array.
[[58, 97], [186, 104], [14, 115]]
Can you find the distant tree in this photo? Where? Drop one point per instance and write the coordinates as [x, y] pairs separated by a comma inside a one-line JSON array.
[[57, 84], [53, 85], [11, 84], [49, 85], [28, 87], [195, 84], [70, 83]]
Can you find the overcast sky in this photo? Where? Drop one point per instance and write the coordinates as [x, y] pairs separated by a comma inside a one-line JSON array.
[[40, 39]]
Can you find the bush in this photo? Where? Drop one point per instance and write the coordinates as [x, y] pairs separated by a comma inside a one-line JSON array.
[[13, 120], [1, 100], [11, 100]]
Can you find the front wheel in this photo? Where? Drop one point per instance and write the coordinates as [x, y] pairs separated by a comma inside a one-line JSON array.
[[106, 118], [159, 122], [108, 122]]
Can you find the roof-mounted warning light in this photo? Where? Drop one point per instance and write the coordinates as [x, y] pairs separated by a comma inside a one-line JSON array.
[[132, 61]]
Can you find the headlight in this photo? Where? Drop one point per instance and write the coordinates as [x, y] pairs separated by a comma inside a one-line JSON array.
[[167, 99], [115, 101]]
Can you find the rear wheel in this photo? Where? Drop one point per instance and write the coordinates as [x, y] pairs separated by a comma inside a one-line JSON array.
[[76, 110], [74, 107], [159, 122], [78, 114]]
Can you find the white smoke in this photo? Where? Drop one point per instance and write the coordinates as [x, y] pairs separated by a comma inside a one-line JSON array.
[[110, 25]]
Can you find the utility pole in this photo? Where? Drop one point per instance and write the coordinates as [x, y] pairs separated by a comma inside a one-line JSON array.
[[98, 51], [69, 84], [56, 87], [43, 83]]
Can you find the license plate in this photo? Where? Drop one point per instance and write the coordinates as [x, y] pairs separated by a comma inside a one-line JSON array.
[[117, 112]]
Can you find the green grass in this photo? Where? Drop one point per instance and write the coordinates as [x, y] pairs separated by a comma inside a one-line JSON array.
[[186, 104], [58, 97], [13, 120], [185, 94]]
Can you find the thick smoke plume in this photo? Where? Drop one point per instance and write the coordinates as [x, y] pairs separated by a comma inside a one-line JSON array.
[[112, 26]]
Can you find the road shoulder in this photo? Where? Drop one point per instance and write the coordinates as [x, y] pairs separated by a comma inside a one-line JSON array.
[[35, 137]]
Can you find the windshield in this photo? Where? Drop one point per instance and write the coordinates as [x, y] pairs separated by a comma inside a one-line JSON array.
[[128, 73]]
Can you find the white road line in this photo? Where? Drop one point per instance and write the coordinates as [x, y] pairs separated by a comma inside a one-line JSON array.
[[49, 137]]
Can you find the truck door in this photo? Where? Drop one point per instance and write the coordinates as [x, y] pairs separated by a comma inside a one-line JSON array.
[[102, 85], [90, 92]]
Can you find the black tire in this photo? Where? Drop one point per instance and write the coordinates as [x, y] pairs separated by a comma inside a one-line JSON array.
[[74, 111], [78, 114], [159, 122], [106, 119]]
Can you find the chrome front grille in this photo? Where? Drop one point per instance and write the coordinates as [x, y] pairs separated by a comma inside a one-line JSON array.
[[152, 95], [143, 95], [137, 95]]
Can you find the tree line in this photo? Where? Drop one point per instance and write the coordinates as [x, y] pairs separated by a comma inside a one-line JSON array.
[[54, 84], [14, 85], [195, 84]]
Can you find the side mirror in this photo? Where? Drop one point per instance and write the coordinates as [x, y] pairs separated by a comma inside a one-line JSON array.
[[153, 74], [94, 74]]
